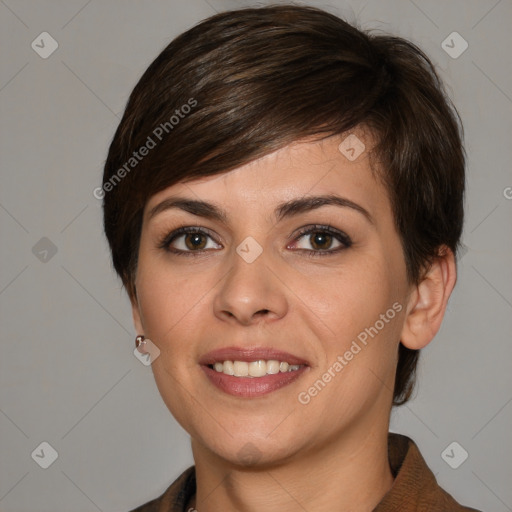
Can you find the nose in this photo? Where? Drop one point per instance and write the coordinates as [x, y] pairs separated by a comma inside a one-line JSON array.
[[250, 292]]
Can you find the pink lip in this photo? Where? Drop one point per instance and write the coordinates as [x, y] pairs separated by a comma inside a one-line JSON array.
[[248, 387], [249, 354]]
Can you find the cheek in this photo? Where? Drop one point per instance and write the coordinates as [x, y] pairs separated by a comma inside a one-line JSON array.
[[361, 307], [166, 298], [353, 297]]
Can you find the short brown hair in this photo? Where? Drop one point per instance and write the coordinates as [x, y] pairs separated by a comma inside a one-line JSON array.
[[258, 79]]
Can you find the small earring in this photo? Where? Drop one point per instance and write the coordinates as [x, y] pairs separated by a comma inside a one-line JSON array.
[[140, 340]]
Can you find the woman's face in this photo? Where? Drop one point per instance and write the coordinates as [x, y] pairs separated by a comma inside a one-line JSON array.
[[274, 277]]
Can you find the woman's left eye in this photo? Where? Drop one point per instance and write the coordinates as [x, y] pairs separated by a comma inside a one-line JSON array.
[[321, 239]]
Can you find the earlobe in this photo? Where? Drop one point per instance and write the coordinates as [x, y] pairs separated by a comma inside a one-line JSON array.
[[429, 300]]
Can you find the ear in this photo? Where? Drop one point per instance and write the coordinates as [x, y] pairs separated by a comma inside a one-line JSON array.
[[429, 300], [137, 322]]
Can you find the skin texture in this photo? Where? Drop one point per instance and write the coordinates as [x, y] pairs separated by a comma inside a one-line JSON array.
[[312, 307]]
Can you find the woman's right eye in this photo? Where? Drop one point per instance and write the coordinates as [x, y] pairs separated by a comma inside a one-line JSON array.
[[187, 240]]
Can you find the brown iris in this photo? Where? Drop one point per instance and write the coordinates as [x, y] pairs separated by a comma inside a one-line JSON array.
[[195, 241], [321, 239]]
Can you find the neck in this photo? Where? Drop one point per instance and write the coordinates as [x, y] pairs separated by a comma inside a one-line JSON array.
[[351, 471]]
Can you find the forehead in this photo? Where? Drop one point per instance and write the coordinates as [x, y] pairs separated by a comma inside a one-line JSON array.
[[339, 165]]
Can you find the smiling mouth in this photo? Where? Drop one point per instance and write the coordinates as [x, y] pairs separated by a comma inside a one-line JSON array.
[[251, 372], [254, 369]]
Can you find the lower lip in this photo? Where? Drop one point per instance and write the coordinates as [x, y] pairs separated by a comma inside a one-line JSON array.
[[248, 387]]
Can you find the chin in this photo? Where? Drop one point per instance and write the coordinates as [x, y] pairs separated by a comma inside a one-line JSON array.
[[247, 449]]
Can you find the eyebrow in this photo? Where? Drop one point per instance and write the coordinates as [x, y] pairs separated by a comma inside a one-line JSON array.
[[284, 210]]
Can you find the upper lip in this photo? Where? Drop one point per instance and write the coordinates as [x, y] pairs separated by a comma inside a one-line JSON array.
[[249, 354]]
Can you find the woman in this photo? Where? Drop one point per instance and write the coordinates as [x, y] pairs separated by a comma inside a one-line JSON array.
[[283, 200]]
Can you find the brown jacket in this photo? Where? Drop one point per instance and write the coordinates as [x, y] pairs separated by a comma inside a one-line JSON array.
[[414, 490]]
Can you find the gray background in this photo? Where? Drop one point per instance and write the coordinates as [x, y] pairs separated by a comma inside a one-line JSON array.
[[68, 373]]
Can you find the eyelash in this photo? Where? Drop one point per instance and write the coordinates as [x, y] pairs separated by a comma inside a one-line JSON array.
[[344, 239]]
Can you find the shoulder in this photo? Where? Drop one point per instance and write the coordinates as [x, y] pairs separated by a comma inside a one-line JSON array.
[[415, 488], [175, 497]]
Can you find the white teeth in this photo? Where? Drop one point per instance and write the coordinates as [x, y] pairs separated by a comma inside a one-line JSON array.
[[272, 367], [257, 368], [241, 368], [228, 367]]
